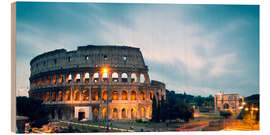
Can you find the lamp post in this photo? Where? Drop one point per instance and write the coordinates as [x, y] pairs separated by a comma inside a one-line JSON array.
[[108, 100]]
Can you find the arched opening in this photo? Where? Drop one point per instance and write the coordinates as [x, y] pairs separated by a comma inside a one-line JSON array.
[[115, 77], [60, 95], [226, 106], [53, 96], [77, 78], [85, 95], [96, 77], [94, 95], [114, 95], [53, 113], [67, 95], [60, 114], [69, 78], [60, 79], [133, 77], [142, 78], [81, 114], [48, 96], [124, 113], [133, 95], [95, 113], [104, 113], [115, 113], [124, 95], [151, 94], [142, 95], [105, 77], [86, 77], [54, 79], [43, 81], [68, 114], [105, 95], [76, 95], [133, 113], [142, 111], [39, 81], [124, 77], [49, 80]]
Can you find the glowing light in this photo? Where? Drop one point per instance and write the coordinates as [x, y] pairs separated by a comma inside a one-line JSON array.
[[105, 70], [246, 109]]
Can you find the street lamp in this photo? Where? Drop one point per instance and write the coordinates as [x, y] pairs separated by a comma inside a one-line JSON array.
[[108, 100]]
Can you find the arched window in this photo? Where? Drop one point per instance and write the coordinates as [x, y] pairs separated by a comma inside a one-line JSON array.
[[142, 111], [60, 79], [115, 77], [115, 113], [124, 77], [94, 95], [133, 77], [151, 94], [43, 81], [142, 78], [54, 79], [53, 96], [60, 95], [48, 96], [69, 78], [85, 95], [124, 113], [124, 95], [142, 95], [105, 77], [133, 95], [49, 80], [67, 95], [39, 81], [86, 77], [95, 113], [76, 95], [133, 113], [226, 106], [114, 95], [78, 78], [104, 113], [105, 95], [96, 77]]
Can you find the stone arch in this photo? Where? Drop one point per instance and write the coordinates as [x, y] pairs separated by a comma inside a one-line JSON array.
[[115, 113], [133, 113], [60, 78], [76, 95], [54, 79], [69, 78], [124, 95], [142, 112], [95, 114], [105, 77], [105, 95], [43, 81], [104, 113], [142, 78], [115, 77], [124, 113], [151, 94], [226, 106], [53, 96], [134, 77], [60, 114], [67, 95], [133, 95], [124, 77], [86, 77], [48, 80], [47, 96], [85, 95], [60, 95], [115, 95], [142, 95], [96, 77], [77, 78], [94, 95]]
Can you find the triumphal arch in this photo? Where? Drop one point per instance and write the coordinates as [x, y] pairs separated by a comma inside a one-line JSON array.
[[227, 102], [95, 83]]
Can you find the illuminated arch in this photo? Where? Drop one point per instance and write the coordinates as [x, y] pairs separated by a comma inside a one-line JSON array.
[[104, 113], [105, 95], [133, 95], [76, 95], [85, 95], [94, 95], [77, 78], [53, 96], [114, 95], [86, 77], [124, 77], [142, 95], [96, 77], [115, 77], [60, 95], [124, 95], [142, 78], [142, 112], [115, 113], [124, 113], [67, 95], [133, 77], [133, 113]]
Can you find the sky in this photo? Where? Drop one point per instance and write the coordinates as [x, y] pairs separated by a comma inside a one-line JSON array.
[[196, 49]]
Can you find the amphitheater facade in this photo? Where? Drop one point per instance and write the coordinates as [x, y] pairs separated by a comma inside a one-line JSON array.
[[95, 83]]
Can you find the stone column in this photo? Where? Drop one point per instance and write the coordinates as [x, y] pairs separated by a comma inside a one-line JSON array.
[[90, 113], [90, 96], [81, 76], [119, 76], [129, 77]]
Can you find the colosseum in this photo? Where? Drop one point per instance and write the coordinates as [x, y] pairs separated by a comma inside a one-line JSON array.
[[95, 83]]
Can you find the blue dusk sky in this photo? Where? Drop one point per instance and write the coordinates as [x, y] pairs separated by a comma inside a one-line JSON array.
[[197, 49]]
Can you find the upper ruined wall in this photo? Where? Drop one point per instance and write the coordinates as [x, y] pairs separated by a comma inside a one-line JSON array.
[[90, 56]]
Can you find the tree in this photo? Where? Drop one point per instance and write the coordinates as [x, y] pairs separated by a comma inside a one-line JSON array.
[[34, 109], [163, 110]]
